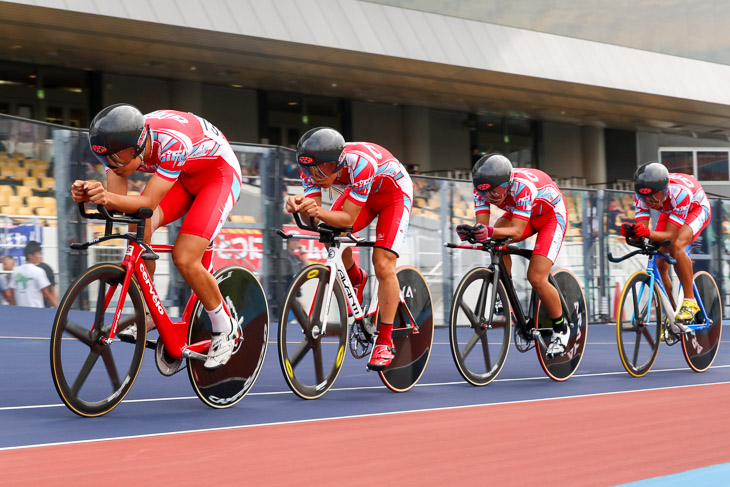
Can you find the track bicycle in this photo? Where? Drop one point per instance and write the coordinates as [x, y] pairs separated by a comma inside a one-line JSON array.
[[93, 366], [485, 305], [314, 325], [642, 323]]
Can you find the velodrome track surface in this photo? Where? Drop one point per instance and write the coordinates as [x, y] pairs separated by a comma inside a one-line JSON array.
[[601, 427]]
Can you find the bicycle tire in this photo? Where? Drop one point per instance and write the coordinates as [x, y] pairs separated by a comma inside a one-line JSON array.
[[700, 348], [309, 361], [412, 350], [467, 327], [563, 367], [85, 386], [638, 336], [228, 385]]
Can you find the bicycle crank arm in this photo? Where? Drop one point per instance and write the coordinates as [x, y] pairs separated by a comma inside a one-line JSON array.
[[189, 354], [537, 336]]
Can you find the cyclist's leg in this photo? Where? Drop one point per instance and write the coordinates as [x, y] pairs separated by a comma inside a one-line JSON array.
[[216, 192], [550, 235], [393, 210], [357, 277]]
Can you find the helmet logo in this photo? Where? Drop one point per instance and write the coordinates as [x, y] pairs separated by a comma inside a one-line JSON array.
[[484, 186], [142, 136], [98, 149], [305, 160], [645, 190]]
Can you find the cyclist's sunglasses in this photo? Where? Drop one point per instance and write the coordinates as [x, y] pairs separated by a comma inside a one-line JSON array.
[[114, 161], [319, 172], [654, 198], [494, 194]]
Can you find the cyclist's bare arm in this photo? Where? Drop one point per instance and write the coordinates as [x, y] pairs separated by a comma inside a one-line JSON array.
[[514, 229], [483, 218], [155, 189], [669, 233], [313, 207]]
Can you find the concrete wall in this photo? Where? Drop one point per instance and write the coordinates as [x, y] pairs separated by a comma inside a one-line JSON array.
[[381, 124], [232, 110], [563, 153], [449, 141]]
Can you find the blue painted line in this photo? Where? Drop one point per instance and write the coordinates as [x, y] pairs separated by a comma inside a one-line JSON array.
[[716, 475]]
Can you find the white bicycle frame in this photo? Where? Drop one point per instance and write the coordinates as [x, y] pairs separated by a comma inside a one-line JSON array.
[[337, 271]]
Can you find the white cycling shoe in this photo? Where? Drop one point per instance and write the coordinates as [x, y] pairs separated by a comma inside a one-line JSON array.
[[221, 347], [558, 343]]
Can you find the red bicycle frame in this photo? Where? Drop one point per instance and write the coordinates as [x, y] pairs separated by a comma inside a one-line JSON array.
[[172, 333]]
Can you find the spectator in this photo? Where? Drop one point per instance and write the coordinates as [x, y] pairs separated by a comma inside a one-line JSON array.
[[29, 282], [614, 211], [6, 295], [49, 273]]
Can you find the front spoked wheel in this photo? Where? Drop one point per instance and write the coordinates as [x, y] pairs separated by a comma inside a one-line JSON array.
[[562, 367], [91, 375], [310, 358], [225, 386], [412, 338], [479, 346], [700, 348], [639, 324]]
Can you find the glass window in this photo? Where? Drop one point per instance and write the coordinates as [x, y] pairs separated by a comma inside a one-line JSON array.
[[678, 161], [712, 166]]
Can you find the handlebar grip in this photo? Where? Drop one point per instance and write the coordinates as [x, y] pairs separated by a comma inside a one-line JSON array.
[[282, 233], [611, 258], [300, 223]]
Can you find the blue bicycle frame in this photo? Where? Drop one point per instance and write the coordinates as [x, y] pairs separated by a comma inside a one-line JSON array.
[[655, 277]]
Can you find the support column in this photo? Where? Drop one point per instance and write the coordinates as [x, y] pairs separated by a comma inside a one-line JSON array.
[[593, 147], [417, 137]]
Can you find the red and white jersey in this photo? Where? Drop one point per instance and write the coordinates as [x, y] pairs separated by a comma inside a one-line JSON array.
[[369, 169], [684, 194], [183, 143], [532, 193]]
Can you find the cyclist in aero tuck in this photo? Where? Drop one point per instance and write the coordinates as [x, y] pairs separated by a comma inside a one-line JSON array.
[[683, 203], [195, 172], [376, 184], [533, 204]]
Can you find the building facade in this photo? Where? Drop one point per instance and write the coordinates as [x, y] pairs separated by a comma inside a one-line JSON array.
[[580, 89]]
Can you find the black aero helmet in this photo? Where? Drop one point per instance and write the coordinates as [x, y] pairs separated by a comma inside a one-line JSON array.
[[319, 146], [115, 128], [651, 178], [491, 171]]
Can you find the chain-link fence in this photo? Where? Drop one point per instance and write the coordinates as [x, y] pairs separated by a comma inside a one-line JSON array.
[[33, 155]]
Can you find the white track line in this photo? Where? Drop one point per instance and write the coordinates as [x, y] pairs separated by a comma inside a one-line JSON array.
[[337, 418], [363, 388]]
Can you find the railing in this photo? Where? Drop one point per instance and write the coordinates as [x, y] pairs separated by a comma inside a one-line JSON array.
[[270, 173]]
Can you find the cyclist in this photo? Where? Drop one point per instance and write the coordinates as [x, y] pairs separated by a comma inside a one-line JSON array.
[[195, 172], [376, 184], [533, 204], [683, 203]]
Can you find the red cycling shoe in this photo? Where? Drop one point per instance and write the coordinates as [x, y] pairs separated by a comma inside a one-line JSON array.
[[383, 355]]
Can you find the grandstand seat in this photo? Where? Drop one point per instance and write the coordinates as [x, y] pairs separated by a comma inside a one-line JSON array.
[[38, 173], [15, 200], [5, 189], [48, 183], [33, 201], [24, 210], [30, 182], [7, 172], [23, 191], [45, 211], [8, 210]]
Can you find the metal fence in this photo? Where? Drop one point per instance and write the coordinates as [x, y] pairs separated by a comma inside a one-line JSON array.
[[249, 237]]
